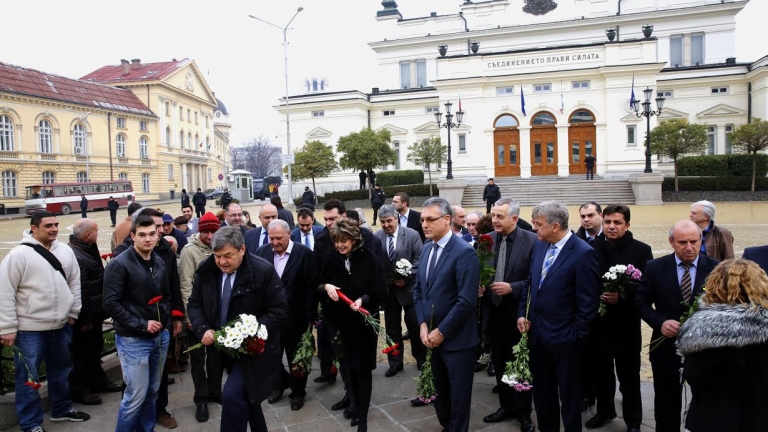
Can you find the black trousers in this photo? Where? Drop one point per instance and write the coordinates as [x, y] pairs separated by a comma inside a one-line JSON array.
[[454, 372], [290, 336], [331, 329], [667, 402], [375, 214], [236, 411], [589, 365], [362, 184], [628, 372], [362, 384], [325, 349], [488, 205], [590, 173], [87, 375], [207, 386], [503, 336], [83, 214], [199, 211], [113, 216], [557, 371], [393, 324]]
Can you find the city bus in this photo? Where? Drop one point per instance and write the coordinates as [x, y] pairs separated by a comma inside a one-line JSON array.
[[62, 198]]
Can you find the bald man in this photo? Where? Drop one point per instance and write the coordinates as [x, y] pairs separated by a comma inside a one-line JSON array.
[[260, 236], [458, 220], [668, 286]]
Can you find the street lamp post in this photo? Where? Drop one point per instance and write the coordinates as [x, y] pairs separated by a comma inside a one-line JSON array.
[[287, 103], [449, 125], [647, 112]]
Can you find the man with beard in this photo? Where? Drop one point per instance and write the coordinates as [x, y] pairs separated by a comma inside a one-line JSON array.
[[186, 211], [591, 221], [406, 216], [617, 333]]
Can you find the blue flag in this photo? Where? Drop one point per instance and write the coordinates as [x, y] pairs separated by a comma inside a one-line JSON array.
[[522, 100], [632, 97]]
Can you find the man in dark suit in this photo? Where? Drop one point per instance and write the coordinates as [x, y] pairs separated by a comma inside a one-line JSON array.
[[513, 248], [258, 237], [293, 263], [591, 215], [307, 230], [472, 218], [617, 333], [446, 301], [399, 242], [564, 294], [589, 162], [458, 221], [667, 285], [406, 216], [234, 217], [758, 254]]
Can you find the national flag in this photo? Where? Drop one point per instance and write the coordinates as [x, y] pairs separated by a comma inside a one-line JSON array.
[[522, 100], [562, 103], [632, 97]]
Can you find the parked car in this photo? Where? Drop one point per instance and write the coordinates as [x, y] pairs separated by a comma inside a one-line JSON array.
[[213, 194]]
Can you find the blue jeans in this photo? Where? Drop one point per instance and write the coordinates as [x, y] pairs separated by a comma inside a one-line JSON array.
[[142, 360], [53, 346]]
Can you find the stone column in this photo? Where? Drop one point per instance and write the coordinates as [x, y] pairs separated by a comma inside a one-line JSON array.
[[563, 155], [525, 151]]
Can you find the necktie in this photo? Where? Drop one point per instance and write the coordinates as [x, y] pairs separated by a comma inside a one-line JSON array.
[[306, 241], [501, 264], [266, 238], [547, 264], [685, 282], [226, 294], [403, 220], [433, 260], [391, 247]]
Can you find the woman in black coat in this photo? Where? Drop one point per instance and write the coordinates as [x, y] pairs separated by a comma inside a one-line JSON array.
[[724, 346], [355, 272]]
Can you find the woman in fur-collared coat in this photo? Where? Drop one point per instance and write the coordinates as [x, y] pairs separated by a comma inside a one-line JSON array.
[[724, 347]]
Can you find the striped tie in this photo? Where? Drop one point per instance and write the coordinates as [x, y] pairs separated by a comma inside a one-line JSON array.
[[391, 247], [685, 282], [547, 264]]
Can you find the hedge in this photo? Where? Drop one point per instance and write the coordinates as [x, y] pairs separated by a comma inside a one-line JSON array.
[[715, 184], [420, 190], [739, 165], [399, 177]]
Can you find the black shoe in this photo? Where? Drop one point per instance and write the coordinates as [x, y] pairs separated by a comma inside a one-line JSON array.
[[495, 389], [526, 425], [598, 421], [350, 412], [355, 421], [491, 369], [362, 428], [392, 371], [479, 366], [297, 403], [110, 387], [201, 414], [275, 396], [330, 379], [500, 415], [344, 403], [171, 381], [406, 336], [419, 403]]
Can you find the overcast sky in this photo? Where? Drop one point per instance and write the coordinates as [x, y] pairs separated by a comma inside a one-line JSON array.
[[242, 58]]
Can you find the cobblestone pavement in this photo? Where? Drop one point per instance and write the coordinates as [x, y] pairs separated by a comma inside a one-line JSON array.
[[390, 408]]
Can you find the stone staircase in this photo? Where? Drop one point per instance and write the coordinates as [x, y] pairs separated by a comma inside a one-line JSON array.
[[568, 190]]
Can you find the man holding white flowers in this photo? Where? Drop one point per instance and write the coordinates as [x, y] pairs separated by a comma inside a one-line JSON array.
[[400, 243], [227, 285]]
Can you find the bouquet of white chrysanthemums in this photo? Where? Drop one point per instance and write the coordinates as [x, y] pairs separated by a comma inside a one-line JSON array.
[[243, 335], [404, 267]]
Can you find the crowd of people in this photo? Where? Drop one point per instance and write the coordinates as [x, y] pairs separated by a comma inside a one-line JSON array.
[[173, 282]]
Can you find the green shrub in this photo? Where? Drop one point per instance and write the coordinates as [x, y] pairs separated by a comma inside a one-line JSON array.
[[420, 190], [715, 184], [399, 177], [739, 165]]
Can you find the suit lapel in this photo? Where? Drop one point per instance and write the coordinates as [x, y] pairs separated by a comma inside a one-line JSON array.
[[517, 245], [561, 258], [674, 281], [292, 260], [441, 259], [702, 270]]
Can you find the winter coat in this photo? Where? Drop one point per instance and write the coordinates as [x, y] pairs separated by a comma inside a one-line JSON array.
[[286, 215], [257, 290], [725, 352], [308, 199], [91, 278], [192, 255], [719, 242], [113, 205], [226, 199], [199, 199], [84, 204], [377, 198], [491, 193], [184, 200]]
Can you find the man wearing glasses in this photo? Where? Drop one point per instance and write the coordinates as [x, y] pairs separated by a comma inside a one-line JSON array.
[[234, 217]]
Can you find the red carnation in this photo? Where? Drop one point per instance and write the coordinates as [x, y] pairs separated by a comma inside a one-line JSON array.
[[485, 243], [155, 300], [177, 314], [395, 353], [334, 370]]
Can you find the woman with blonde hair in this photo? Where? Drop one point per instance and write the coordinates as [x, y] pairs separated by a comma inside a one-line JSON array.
[[355, 272], [724, 346]]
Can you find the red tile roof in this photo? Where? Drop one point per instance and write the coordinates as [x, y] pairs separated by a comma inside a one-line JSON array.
[[19, 80], [144, 72]]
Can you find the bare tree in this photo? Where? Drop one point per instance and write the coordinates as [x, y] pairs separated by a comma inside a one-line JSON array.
[[261, 158]]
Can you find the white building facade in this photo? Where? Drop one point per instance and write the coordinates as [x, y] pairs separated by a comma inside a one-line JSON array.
[[557, 60]]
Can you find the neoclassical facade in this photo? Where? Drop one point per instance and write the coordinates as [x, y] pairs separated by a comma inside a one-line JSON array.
[[542, 84]]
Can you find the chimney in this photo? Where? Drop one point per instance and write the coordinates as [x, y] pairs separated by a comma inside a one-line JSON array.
[[433, 14], [375, 90], [135, 63], [730, 61], [126, 66]]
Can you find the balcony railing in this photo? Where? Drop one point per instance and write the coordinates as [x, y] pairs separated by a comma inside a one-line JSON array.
[[9, 154], [81, 158], [122, 161], [49, 157]]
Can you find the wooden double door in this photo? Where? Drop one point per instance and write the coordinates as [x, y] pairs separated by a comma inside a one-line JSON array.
[[507, 152], [581, 142], [543, 151]]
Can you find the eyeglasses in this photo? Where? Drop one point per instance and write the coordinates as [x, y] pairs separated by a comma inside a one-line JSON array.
[[432, 219], [235, 215]]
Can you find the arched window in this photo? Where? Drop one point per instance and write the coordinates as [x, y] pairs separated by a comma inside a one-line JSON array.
[[168, 136], [314, 85], [45, 136], [543, 119], [78, 135], [189, 139], [197, 140], [582, 116], [6, 134], [506, 121], [120, 145], [10, 186], [143, 148]]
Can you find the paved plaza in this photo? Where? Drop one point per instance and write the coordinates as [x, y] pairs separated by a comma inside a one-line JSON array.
[[390, 407]]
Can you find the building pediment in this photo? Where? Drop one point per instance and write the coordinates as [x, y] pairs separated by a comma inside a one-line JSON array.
[[189, 79], [393, 130], [630, 118], [429, 127], [318, 133], [669, 114], [721, 110]]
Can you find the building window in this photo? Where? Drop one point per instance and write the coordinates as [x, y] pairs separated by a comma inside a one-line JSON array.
[[122, 176], [145, 183], [196, 122], [45, 133], [318, 113], [120, 145], [120, 122], [697, 49], [432, 109], [168, 136], [197, 141], [538, 88], [210, 174], [405, 74], [167, 109], [181, 113], [711, 139], [82, 176], [579, 85], [421, 73], [502, 91], [719, 90], [142, 125], [170, 171], [462, 143], [206, 121], [631, 136], [189, 115], [143, 148], [728, 132], [665, 94], [181, 139], [189, 141], [6, 133], [676, 51], [49, 177], [78, 135], [9, 184], [388, 113]]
